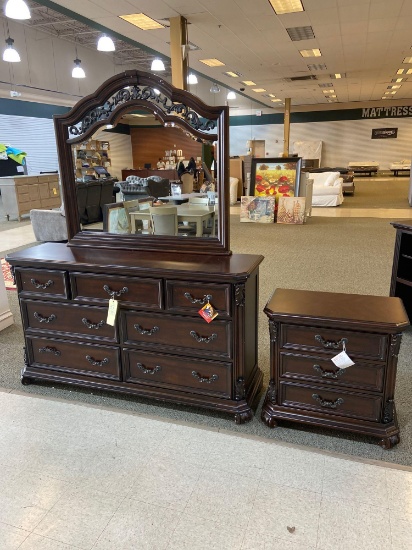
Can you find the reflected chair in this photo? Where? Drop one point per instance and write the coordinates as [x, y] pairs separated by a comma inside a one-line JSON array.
[[158, 188], [163, 220], [128, 206], [187, 182], [198, 201]]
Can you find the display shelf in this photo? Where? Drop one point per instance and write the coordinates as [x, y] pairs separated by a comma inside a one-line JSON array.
[[92, 152]]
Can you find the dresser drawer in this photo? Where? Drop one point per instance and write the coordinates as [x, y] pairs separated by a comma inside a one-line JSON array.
[[68, 320], [75, 357], [358, 344], [319, 369], [191, 335], [42, 282], [87, 287], [185, 297], [330, 402], [206, 377]]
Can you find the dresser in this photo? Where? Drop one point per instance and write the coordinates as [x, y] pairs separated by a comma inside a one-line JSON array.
[[401, 282], [307, 329], [159, 346]]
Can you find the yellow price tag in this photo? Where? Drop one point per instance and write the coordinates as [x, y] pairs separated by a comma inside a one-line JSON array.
[[54, 191], [111, 314]]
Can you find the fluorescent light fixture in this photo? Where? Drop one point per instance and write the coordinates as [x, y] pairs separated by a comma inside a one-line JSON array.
[[10, 54], [317, 67], [398, 79], [78, 71], [258, 90], [212, 62], [17, 9], [142, 21], [300, 33], [407, 60], [233, 74], [315, 52], [231, 95], [157, 65], [248, 83], [333, 95], [271, 95], [105, 44], [286, 6], [328, 91], [394, 87], [409, 71], [214, 88], [400, 71], [390, 93], [326, 85], [338, 75], [192, 79], [276, 100]]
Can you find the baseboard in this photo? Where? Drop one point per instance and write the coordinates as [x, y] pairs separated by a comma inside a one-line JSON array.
[[6, 319]]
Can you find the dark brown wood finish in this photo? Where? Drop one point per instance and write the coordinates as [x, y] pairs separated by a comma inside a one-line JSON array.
[[160, 347], [307, 329], [401, 282]]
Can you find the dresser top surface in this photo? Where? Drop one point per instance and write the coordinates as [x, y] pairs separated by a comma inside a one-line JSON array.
[[374, 312]]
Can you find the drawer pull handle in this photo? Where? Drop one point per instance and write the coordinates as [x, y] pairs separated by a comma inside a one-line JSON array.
[[148, 371], [209, 380], [42, 319], [115, 293], [203, 339], [146, 332], [329, 373], [327, 404], [49, 349], [201, 301], [97, 363], [36, 283], [331, 344], [96, 326]]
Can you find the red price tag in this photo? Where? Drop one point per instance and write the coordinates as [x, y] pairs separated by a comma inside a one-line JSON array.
[[208, 312]]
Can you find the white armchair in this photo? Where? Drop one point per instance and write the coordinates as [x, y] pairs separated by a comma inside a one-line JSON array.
[[327, 189]]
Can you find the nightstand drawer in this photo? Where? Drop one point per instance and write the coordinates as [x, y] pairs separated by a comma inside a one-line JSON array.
[[42, 282], [358, 344], [169, 371], [185, 297], [319, 369], [330, 402]]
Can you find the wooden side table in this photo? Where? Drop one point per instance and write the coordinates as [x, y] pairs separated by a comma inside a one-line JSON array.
[[307, 329]]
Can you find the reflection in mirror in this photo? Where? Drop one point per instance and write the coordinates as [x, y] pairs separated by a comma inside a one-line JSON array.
[[128, 174]]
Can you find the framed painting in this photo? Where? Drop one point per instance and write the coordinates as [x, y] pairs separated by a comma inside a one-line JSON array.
[[275, 177], [257, 209], [115, 218], [291, 210]]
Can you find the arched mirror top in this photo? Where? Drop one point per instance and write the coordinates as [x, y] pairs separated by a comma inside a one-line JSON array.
[[170, 106]]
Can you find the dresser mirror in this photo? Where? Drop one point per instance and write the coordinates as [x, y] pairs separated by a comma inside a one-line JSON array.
[[125, 93]]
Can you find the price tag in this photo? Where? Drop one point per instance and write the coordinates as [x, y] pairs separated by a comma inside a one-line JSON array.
[[111, 314], [54, 191], [208, 312], [342, 360]]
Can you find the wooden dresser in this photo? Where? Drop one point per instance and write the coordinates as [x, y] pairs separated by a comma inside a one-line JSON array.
[[401, 283], [159, 347], [307, 329]]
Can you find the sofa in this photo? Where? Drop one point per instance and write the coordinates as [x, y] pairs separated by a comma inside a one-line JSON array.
[[135, 187], [348, 185], [49, 225], [327, 189], [400, 166]]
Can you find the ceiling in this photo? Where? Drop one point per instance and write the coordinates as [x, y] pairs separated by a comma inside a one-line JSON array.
[[365, 41]]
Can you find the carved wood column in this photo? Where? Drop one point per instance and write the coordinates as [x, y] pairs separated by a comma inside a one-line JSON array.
[[178, 54], [286, 127]]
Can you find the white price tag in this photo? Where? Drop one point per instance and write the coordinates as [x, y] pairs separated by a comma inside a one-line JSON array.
[[111, 314], [342, 360]]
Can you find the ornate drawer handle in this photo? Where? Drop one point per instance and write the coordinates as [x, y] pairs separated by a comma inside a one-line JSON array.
[[96, 326], [202, 301], [148, 371], [329, 373], [36, 283], [209, 380], [331, 344], [97, 363], [203, 339], [42, 319], [49, 349], [327, 404], [116, 293], [146, 332]]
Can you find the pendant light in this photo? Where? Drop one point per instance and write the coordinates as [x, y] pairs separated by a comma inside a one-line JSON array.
[[214, 88], [157, 65], [231, 95], [10, 54], [78, 71], [192, 79], [17, 9], [105, 44]]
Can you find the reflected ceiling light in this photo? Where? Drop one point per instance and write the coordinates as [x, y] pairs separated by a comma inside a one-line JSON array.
[[286, 6], [10, 54], [105, 44], [258, 90], [157, 65], [214, 88], [231, 95], [17, 9], [156, 91], [78, 71], [109, 126], [248, 83], [192, 79]]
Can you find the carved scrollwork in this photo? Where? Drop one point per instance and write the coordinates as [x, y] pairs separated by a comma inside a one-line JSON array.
[[42, 319], [201, 301], [203, 339], [388, 411], [25, 357], [272, 392], [240, 389], [395, 344], [13, 274], [94, 326], [43, 286], [240, 294], [97, 363], [273, 330], [207, 379]]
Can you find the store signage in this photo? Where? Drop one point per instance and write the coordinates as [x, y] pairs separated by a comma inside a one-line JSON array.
[[387, 112], [384, 133]]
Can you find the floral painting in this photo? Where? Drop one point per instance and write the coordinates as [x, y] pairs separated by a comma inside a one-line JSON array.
[[257, 209], [275, 177]]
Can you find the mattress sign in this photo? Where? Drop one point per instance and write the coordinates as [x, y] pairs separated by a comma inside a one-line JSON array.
[[384, 133]]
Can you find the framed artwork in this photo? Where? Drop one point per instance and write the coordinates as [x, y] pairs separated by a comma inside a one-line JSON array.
[[115, 218], [291, 210], [275, 177], [257, 209]]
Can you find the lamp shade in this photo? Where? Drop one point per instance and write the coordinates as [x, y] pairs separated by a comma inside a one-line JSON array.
[[231, 95], [214, 88], [105, 44], [10, 54], [17, 9], [157, 65], [78, 71], [192, 79]]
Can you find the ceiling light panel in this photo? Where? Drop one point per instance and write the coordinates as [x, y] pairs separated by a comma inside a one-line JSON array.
[[142, 21], [212, 62], [300, 33], [317, 67], [326, 85], [233, 74], [275, 100], [258, 90], [400, 71], [286, 6], [315, 52], [248, 83], [407, 60], [398, 79], [394, 87]]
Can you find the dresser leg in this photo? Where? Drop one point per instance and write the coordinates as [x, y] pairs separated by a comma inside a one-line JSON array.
[[243, 417], [268, 419], [389, 442], [25, 380]]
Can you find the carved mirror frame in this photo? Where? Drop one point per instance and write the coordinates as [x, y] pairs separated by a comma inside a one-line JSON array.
[[135, 90]]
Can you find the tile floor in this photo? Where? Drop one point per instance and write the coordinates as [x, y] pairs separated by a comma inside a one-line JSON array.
[[78, 477]]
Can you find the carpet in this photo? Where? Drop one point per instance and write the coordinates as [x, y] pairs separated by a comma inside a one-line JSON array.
[[378, 193], [7, 276]]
